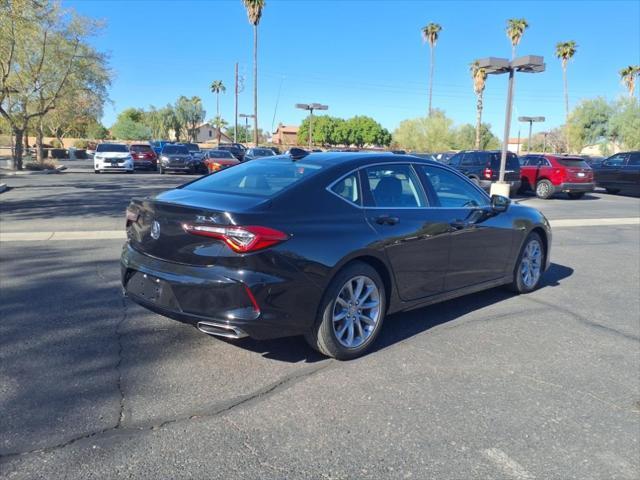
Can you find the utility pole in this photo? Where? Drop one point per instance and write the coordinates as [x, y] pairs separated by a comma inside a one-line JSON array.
[[235, 123]]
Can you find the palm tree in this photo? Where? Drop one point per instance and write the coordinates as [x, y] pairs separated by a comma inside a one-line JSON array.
[[479, 76], [628, 77], [430, 34], [565, 51], [254, 12], [218, 123], [515, 30], [217, 87]]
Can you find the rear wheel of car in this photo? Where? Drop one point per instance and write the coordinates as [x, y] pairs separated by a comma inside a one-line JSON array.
[[351, 313], [575, 195], [530, 265], [544, 189], [96, 171], [612, 191]]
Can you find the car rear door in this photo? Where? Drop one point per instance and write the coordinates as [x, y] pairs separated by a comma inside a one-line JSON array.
[[415, 238], [481, 242], [630, 174]]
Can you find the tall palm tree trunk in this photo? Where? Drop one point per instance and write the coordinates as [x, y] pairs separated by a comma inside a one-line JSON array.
[[255, 85], [218, 104], [566, 93], [478, 120], [431, 81]]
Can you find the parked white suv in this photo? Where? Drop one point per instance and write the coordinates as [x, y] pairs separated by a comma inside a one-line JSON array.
[[112, 157]]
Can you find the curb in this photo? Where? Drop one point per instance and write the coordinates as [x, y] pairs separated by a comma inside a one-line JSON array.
[[12, 173]]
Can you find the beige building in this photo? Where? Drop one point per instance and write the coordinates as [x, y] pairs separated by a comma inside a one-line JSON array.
[[285, 135], [209, 134]]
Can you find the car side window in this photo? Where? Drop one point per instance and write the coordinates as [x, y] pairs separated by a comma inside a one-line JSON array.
[[452, 190], [634, 160], [468, 159], [348, 189], [615, 161], [455, 160], [394, 186]]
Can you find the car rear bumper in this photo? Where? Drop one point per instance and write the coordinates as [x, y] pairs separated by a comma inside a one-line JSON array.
[[576, 187], [148, 164], [513, 184], [214, 297]]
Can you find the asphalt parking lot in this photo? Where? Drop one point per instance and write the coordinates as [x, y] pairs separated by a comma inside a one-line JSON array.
[[542, 386]]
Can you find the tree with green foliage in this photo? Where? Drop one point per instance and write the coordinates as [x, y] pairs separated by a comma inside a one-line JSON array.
[[479, 77], [628, 77], [430, 34], [624, 126], [218, 123], [43, 49], [190, 114], [589, 123], [217, 87], [515, 31], [365, 130], [464, 138], [97, 131], [129, 126], [254, 12], [426, 134], [565, 52]]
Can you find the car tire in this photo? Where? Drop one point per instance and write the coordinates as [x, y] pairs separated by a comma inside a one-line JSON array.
[[96, 171], [333, 329], [612, 191], [533, 263], [575, 195], [544, 189]]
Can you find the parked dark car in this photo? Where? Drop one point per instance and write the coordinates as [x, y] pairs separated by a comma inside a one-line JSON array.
[[176, 158], [258, 152], [237, 149], [483, 167], [620, 173], [593, 161], [276, 150], [443, 157], [325, 245], [549, 174], [143, 156], [158, 145]]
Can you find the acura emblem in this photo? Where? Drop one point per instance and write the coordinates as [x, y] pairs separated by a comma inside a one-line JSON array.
[[155, 230]]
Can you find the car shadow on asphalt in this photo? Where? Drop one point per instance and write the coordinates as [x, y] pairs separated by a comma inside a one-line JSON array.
[[401, 326]]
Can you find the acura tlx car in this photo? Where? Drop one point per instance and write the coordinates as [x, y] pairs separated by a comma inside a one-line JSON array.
[[325, 245]]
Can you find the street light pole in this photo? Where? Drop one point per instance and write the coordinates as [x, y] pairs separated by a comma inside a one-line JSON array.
[[246, 117], [311, 107], [530, 120], [527, 64]]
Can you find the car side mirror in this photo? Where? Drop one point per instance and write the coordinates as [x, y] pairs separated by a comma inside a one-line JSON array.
[[499, 203]]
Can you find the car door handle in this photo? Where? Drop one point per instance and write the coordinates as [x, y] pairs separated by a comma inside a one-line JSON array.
[[459, 224], [386, 219]]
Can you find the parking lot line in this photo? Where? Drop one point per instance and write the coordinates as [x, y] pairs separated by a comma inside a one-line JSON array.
[[122, 235], [508, 466]]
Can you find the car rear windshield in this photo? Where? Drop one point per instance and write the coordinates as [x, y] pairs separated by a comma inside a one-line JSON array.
[[573, 162], [262, 152], [261, 178], [173, 149], [112, 147], [140, 148], [220, 154], [512, 162]]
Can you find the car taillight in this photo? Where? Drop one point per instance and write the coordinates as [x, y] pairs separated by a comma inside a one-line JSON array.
[[214, 167], [239, 239], [487, 172]]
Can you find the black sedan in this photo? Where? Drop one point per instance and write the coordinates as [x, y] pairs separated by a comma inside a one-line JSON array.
[[325, 245], [620, 173]]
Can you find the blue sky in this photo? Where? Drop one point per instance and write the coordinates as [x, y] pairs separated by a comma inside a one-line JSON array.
[[360, 57]]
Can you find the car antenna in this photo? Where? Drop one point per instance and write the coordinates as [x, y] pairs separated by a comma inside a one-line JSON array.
[[296, 153]]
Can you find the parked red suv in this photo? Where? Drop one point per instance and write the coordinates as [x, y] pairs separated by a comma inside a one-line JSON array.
[[143, 156], [550, 174]]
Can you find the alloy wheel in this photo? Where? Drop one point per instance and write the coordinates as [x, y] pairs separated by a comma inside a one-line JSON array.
[[531, 264], [356, 311]]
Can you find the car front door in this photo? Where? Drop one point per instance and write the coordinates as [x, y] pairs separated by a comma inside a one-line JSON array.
[[415, 238], [481, 242], [608, 175]]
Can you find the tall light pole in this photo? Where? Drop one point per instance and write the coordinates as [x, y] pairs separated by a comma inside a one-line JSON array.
[[311, 107], [496, 66], [246, 117], [530, 120]]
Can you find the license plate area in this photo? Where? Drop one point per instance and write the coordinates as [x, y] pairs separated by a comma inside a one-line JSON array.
[[152, 289]]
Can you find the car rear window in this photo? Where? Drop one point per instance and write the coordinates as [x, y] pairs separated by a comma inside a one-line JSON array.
[[192, 147], [140, 148], [263, 152], [112, 147], [175, 149], [512, 161], [220, 154], [261, 178], [573, 162]]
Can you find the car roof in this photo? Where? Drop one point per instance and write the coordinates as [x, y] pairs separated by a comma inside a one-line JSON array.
[[357, 159]]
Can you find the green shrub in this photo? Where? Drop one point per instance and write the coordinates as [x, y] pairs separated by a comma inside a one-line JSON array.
[[81, 143], [56, 143]]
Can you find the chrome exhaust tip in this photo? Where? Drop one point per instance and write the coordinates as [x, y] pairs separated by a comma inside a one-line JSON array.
[[221, 330]]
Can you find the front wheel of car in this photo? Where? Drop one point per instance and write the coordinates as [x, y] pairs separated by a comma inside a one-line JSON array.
[[530, 265], [351, 313], [544, 189], [575, 195], [96, 171]]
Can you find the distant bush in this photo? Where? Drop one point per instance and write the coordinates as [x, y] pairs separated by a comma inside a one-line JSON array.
[[56, 143], [59, 153], [81, 143], [46, 165]]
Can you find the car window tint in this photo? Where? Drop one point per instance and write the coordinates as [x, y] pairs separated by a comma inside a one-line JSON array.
[[347, 188], [468, 159], [455, 160], [394, 186], [634, 159], [263, 178], [452, 190], [615, 161], [112, 147]]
